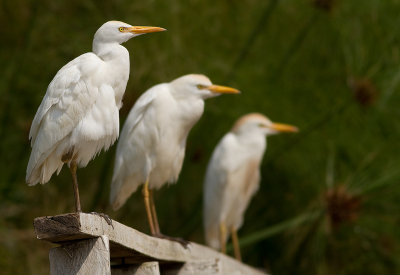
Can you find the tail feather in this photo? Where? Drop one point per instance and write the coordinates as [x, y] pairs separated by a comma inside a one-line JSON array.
[[41, 172], [212, 237], [43, 164], [121, 190]]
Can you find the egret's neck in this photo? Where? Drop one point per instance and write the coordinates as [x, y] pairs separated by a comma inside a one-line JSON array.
[[110, 51], [188, 111], [253, 140], [116, 59]]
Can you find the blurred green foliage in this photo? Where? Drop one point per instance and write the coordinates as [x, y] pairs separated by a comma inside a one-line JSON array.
[[329, 198]]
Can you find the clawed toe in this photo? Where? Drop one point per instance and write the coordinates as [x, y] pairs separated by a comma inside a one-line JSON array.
[[105, 217], [181, 241]]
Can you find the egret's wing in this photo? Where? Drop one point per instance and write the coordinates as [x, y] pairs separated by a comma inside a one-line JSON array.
[[125, 179], [134, 118], [139, 110], [63, 88], [68, 97], [243, 183]]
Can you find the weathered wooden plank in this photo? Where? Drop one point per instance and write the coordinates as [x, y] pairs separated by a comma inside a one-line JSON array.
[[147, 268], [82, 257], [206, 267], [128, 243]]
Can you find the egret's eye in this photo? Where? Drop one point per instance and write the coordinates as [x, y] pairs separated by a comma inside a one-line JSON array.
[[121, 29], [261, 125], [201, 87]]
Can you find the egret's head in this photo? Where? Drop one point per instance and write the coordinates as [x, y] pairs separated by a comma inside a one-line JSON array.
[[120, 32], [258, 123], [199, 85]]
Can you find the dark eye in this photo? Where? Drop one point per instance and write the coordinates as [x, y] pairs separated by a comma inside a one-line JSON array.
[[121, 29], [201, 87], [261, 125]]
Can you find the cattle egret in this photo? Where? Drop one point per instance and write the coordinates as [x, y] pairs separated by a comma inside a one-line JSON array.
[[151, 148], [78, 116], [233, 176]]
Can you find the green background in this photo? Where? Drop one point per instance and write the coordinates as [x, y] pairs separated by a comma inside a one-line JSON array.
[[329, 199]]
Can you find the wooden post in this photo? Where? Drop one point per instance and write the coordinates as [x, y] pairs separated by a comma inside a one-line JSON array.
[[81, 257], [89, 244]]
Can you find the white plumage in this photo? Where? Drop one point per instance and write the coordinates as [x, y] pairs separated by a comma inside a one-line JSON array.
[[76, 110], [233, 175], [78, 115], [153, 139], [152, 144]]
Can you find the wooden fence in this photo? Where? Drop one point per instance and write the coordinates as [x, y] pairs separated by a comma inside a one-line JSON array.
[[89, 245]]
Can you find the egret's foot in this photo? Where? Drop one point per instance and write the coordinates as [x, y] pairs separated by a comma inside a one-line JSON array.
[[105, 217], [181, 241]]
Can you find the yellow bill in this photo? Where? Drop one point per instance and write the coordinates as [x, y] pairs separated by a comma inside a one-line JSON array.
[[284, 128], [222, 89], [144, 29]]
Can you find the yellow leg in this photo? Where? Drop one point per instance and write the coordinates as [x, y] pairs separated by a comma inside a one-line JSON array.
[[147, 205], [222, 237], [73, 167], [236, 247], [152, 216], [154, 213]]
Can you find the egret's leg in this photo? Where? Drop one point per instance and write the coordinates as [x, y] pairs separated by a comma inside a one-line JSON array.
[[73, 167], [235, 242], [158, 233], [147, 205], [222, 237], [154, 213]]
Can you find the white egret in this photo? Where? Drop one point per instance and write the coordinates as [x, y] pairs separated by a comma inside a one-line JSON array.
[[151, 148], [78, 116], [233, 176]]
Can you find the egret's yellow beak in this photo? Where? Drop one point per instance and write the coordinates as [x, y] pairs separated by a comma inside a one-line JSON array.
[[222, 89], [144, 29], [284, 128]]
